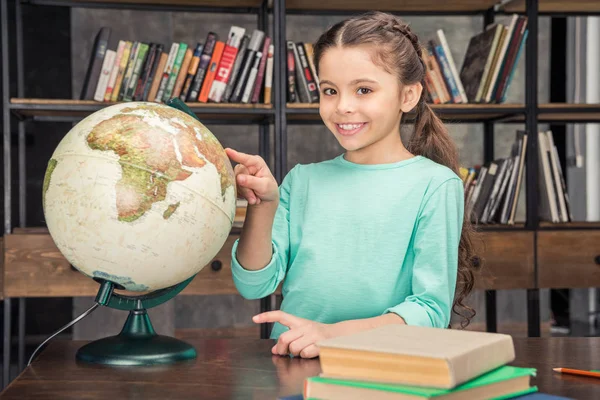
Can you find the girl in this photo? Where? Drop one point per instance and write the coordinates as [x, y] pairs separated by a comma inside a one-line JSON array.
[[376, 235]]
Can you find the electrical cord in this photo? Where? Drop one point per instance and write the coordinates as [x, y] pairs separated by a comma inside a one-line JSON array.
[[82, 316]]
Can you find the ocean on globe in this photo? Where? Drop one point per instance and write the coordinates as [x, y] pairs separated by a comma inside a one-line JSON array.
[[141, 194]]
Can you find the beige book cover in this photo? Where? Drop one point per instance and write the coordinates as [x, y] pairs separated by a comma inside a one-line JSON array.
[[415, 355]]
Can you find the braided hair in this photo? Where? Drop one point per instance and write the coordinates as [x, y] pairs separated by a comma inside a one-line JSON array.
[[397, 49]]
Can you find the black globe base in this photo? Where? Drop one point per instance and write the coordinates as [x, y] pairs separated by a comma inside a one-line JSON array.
[[136, 345]]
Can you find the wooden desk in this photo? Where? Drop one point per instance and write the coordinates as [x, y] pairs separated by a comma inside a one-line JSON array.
[[245, 369]]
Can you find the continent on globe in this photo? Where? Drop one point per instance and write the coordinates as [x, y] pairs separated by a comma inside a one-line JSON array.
[[150, 160], [140, 194]]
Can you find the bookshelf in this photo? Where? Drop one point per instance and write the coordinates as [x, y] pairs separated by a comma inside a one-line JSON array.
[[517, 255]]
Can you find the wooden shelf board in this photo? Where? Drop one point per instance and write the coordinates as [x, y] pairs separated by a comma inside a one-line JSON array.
[[80, 108], [392, 5], [570, 225], [500, 227], [171, 3], [555, 6]]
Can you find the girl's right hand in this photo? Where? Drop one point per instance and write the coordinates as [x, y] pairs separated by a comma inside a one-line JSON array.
[[253, 178]]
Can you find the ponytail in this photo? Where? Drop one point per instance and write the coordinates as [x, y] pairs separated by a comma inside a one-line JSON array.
[[431, 139]]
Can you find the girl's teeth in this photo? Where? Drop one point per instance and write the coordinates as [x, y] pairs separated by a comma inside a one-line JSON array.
[[349, 126]]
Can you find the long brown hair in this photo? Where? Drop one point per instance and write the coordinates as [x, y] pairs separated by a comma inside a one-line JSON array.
[[398, 51]]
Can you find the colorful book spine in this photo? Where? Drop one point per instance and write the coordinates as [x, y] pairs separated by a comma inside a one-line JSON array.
[[121, 74], [230, 52], [209, 47], [193, 68], [115, 70]]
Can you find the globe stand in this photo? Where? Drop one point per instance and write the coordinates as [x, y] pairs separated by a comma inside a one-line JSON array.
[[137, 343]]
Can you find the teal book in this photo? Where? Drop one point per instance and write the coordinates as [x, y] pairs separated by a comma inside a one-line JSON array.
[[501, 383]]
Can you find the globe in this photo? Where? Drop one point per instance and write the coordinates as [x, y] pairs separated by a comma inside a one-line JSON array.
[[140, 194]]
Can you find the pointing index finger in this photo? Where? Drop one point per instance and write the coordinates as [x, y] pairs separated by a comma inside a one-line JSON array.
[[241, 158], [276, 316]]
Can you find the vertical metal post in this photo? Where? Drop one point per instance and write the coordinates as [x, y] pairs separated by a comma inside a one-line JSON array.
[[263, 150], [531, 108], [6, 343], [7, 178], [22, 175], [491, 317], [280, 89], [6, 117]]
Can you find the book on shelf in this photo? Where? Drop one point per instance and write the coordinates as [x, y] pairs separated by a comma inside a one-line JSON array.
[[302, 80], [239, 70], [406, 362], [492, 189]]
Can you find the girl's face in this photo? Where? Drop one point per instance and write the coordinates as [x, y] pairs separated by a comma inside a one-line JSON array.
[[360, 102]]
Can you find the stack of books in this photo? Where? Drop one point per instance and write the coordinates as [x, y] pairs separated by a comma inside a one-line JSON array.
[[410, 362]]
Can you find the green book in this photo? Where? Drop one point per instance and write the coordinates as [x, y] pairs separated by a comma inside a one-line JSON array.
[[175, 71], [501, 383]]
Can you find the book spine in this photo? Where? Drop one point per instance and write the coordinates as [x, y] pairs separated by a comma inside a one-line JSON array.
[[261, 71], [121, 74], [166, 73], [255, 44], [193, 68], [129, 70], [512, 71], [237, 65], [311, 86], [145, 73], [291, 73], [174, 71], [185, 65], [446, 48], [441, 57], [153, 71], [137, 69], [205, 58], [310, 55], [211, 72], [95, 65], [162, 63], [217, 89], [107, 64], [269, 75], [301, 84], [115, 71], [251, 78]]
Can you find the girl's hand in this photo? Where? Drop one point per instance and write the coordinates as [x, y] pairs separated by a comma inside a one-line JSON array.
[[254, 180], [302, 335]]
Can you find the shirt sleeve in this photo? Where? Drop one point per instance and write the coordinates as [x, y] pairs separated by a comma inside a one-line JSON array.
[[435, 248], [263, 282]]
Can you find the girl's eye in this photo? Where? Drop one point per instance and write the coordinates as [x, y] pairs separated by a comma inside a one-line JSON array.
[[328, 91], [364, 90]]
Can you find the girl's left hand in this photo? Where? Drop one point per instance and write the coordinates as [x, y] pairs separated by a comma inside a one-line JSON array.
[[301, 337]]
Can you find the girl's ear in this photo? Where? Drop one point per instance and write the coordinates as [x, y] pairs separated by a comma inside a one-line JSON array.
[[410, 96]]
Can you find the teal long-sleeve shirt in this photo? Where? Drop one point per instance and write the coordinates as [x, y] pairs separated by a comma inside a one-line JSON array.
[[354, 241]]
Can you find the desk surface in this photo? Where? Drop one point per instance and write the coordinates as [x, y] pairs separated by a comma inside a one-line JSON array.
[[245, 369]]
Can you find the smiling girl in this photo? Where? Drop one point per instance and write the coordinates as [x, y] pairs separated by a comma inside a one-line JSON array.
[[376, 235]]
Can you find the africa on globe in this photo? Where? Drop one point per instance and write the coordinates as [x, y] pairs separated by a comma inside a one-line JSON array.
[[140, 194]]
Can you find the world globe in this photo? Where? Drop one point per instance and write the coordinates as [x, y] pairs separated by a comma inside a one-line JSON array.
[[140, 194]]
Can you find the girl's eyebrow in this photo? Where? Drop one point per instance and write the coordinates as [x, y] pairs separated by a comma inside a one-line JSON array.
[[354, 82]]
